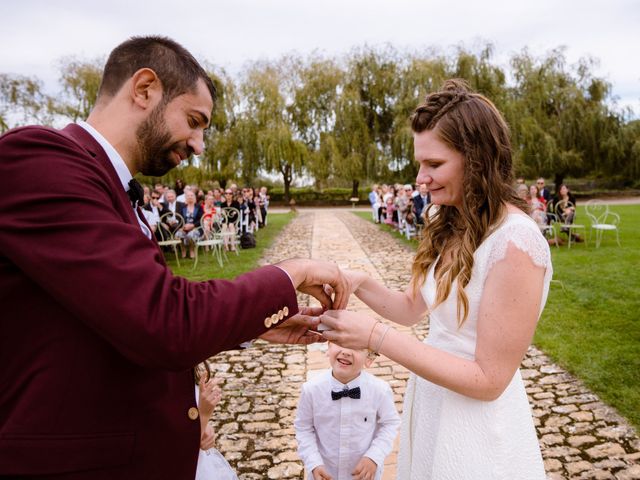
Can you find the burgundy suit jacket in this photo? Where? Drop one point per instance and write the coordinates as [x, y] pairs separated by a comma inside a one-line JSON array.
[[97, 336]]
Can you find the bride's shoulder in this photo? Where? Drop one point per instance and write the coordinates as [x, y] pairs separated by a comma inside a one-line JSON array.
[[521, 231]]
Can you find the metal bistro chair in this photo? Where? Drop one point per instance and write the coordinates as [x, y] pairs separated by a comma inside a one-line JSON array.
[[169, 224], [567, 223], [211, 237], [549, 230], [231, 228], [602, 220]]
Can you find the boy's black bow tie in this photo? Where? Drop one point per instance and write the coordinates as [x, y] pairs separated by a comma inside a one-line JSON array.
[[347, 392], [136, 193]]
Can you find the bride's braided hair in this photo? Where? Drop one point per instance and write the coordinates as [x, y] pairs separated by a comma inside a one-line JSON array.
[[469, 123]]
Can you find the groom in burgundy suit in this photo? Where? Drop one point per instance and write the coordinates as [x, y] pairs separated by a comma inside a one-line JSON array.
[[97, 336]]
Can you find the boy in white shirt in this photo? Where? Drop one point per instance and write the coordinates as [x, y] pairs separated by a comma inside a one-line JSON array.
[[346, 420]]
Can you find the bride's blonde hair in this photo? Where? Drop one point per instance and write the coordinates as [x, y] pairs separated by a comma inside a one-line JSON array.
[[470, 124]]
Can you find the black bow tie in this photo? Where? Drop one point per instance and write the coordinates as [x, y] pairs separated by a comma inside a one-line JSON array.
[[136, 193], [347, 392]]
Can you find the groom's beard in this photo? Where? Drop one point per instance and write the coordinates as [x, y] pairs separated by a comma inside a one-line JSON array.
[[156, 147]]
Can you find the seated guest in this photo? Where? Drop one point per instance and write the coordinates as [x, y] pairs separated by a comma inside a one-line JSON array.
[[523, 191], [179, 186], [544, 191], [538, 206], [209, 207], [217, 197], [153, 211], [247, 195], [209, 212], [160, 189], [187, 188], [231, 223], [565, 205], [189, 233], [391, 214], [420, 202], [172, 205]]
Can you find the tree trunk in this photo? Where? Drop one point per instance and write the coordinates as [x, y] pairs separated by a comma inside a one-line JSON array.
[[286, 176], [354, 188]]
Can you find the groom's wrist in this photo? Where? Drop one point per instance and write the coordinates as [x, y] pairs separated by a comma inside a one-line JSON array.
[[293, 269]]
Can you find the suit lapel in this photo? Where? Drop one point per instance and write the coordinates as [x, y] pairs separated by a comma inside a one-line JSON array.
[[89, 144], [121, 200]]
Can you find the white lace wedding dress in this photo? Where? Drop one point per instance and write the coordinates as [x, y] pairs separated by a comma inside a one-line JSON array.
[[447, 436]]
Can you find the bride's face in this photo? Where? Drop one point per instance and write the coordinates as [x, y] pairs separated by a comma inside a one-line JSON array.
[[441, 168]]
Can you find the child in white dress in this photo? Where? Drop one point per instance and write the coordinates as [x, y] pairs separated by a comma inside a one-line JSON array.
[[211, 464]]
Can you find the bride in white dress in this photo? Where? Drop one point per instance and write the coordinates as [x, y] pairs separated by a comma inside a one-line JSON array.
[[482, 273]]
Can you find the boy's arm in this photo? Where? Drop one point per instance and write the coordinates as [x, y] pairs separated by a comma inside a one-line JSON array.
[[306, 432], [388, 423]]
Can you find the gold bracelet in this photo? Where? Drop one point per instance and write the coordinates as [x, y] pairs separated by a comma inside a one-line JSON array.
[[377, 350], [370, 334]]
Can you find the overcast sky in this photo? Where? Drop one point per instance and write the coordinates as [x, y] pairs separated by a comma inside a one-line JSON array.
[[35, 34]]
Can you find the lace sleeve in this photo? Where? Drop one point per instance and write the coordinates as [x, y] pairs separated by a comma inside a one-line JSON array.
[[524, 237]]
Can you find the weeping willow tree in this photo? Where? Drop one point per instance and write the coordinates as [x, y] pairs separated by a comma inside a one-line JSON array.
[[418, 76], [22, 101], [268, 131], [372, 79], [220, 158], [282, 153], [316, 83], [559, 120], [80, 80]]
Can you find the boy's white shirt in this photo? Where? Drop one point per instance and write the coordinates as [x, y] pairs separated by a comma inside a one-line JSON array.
[[334, 433]]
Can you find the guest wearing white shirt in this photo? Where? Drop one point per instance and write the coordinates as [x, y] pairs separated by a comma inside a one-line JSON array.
[[346, 420], [153, 210], [182, 197]]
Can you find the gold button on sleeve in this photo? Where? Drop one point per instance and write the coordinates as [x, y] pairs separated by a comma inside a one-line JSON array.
[[193, 413]]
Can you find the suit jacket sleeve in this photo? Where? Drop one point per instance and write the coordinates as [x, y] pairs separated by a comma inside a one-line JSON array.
[[65, 228]]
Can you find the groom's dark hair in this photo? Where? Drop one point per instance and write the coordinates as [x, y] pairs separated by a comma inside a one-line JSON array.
[[176, 68]]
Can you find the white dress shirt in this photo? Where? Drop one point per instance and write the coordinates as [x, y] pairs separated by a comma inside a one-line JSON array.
[[118, 164], [338, 433]]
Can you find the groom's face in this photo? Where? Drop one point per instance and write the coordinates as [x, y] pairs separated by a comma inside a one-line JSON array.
[[174, 131]]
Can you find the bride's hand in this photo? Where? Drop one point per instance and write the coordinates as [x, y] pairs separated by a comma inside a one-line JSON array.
[[348, 329], [354, 279]]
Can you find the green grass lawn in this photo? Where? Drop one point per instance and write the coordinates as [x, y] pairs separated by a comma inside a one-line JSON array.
[[208, 267], [592, 327]]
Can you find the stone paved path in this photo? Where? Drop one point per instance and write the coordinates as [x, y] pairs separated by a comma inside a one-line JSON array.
[[580, 437]]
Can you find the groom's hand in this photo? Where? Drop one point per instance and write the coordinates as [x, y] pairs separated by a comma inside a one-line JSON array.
[[311, 276], [299, 329]]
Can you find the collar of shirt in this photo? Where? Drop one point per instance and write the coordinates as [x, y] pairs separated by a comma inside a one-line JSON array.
[[116, 160], [337, 385]]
